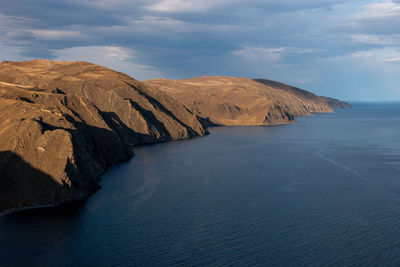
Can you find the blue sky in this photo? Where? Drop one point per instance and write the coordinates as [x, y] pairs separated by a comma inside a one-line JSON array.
[[339, 48]]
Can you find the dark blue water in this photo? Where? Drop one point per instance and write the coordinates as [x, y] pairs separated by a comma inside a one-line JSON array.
[[322, 191]]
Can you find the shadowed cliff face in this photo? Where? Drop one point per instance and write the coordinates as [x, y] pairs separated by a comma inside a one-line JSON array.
[[242, 101], [17, 178], [63, 123], [107, 90]]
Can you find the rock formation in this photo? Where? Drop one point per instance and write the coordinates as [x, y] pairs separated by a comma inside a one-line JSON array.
[[336, 103], [242, 101], [63, 123], [303, 94]]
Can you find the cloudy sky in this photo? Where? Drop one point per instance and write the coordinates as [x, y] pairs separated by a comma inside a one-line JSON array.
[[342, 48]]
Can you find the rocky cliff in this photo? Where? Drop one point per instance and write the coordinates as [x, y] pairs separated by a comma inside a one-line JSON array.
[[242, 101], [63, 123], [317, 101], [336, 103]]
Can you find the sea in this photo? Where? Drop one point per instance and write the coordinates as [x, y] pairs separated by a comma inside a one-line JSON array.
[[324, 191]]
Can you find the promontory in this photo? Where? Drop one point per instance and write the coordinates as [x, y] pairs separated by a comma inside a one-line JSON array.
[[63, 123]]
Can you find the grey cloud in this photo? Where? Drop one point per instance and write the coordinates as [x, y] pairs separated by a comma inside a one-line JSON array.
[[377, 18], [287, 40]]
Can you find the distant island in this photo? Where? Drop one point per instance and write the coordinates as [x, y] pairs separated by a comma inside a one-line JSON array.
[[62, 124]]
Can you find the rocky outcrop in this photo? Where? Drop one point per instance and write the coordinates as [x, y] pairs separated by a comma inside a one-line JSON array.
[[242, 101], [336, 103], [315, 104], [63, 123]]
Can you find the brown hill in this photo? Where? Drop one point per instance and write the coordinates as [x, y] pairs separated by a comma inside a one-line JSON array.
[[305, 95], [336, 103], [63, 123], [242, 101]]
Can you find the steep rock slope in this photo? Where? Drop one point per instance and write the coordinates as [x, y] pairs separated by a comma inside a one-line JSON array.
[[336, 103], [241, 101], [317, 102], [63, 123]]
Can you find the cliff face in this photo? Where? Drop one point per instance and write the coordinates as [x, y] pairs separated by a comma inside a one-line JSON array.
[[318, 103], [242, 101], [63, 123], [306, 100], [336, 103]]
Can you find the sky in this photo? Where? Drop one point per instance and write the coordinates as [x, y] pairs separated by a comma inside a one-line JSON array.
[[344, 49]]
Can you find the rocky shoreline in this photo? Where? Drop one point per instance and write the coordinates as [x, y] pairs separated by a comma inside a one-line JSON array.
[[62, 124]]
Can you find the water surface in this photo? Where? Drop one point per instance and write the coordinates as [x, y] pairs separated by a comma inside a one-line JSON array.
[[322, 191]]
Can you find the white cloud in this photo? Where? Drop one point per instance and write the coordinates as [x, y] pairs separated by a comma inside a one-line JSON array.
[[55, 34], [387, 54], [376, 39], [393, 59], [166, 6], [114, 57], [152, 23], [376, 11], [164, 27], [195, 37], [382, 17], [270, 54], [195, 6], [180, 6], [374, 23], [254, 53], [117, 52]]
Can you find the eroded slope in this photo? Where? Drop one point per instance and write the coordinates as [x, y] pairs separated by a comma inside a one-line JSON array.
[[317, 104], [240, 101], [63, 123]]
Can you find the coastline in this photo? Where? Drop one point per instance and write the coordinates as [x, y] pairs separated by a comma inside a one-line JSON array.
[[60, 136], [71, 202]]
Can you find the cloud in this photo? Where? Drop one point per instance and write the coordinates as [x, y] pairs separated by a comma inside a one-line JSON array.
[[197, 6], [378, 11], [376, 18], [178, 6], [117, 53], [382, 40], [387, 54], [114, 57], [270, 54], [294, 41], [393, 59], [363, 75], [12, 53], [254, 53], [153, 23], [56, 34]]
